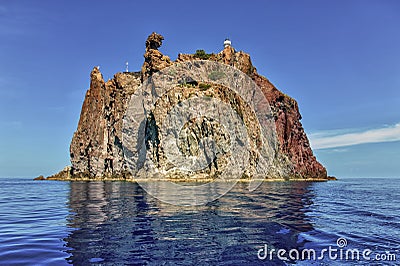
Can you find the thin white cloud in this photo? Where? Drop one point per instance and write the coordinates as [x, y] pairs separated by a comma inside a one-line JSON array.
[[325, 141]]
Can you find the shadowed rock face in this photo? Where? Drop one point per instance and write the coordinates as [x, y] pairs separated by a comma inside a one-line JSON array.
[[292, 139], [96, 147]]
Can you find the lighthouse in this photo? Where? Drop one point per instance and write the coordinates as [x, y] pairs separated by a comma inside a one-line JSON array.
[[227, 43]]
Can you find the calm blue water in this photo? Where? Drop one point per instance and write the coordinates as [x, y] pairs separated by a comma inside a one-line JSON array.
[[117, 223]]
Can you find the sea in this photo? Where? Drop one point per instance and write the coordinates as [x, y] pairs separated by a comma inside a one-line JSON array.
[[351, 221]]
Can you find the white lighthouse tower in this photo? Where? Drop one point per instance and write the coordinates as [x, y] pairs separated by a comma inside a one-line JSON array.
[[227, 43]]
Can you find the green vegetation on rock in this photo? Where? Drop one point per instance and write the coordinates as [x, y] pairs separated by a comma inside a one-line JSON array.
[[201, 54], [204, 86]]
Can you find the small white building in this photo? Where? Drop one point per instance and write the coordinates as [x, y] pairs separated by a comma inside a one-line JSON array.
[[227, 43]]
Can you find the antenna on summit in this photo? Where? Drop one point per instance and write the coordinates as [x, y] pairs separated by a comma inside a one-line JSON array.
[[127, 66]]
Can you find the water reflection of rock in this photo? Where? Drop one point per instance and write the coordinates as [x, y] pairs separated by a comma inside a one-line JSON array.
[[118, 223]]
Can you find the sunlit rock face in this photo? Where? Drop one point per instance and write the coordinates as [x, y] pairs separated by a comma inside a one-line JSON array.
[[97, 150]]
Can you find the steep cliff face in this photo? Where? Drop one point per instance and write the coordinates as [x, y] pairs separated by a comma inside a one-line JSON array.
[[293, 140], [96, 147]]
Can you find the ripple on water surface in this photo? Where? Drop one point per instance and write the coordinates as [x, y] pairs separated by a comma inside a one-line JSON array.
[[114, 223]]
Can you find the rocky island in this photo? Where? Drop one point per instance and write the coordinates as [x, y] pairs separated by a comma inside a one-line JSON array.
[[97, 150]]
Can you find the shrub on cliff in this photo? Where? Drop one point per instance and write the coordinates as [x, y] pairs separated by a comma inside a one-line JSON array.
[[201, 54]]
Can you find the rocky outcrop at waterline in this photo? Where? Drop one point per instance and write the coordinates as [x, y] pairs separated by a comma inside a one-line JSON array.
[[96, 149]]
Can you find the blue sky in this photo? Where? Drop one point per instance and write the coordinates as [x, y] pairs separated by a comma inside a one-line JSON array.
[[339, 59]]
